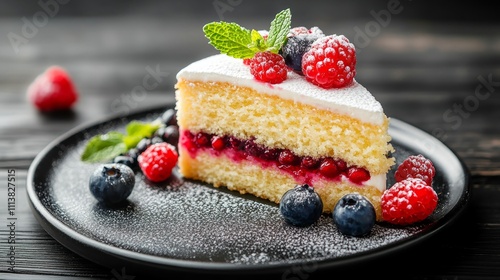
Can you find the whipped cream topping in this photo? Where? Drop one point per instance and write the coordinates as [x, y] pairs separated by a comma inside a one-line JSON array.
[[379, 181], [354, 101]]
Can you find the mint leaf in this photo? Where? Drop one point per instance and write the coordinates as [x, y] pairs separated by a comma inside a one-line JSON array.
[[280, 27], [230, 39], [258, 42], [104, 147], [138, 130]]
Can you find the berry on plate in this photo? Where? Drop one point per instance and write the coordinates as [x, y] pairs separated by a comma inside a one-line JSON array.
[[157, 161], [330, 62], [127, 160], [416, 166], [268, 67], [301, 206], [408, 201], [112, 183], [52, 90], [354, 215]]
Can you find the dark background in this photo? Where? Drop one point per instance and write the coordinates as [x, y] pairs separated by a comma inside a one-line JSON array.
[[419, 64], [106, 45]]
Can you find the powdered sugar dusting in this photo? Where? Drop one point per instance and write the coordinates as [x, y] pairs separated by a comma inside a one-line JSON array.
[[354, 100], [188, 220], [183, 223]]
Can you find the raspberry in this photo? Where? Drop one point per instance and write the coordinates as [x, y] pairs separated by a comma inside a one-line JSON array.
[[157, 161], [268, 67], [308, 162], [358, 175], [408, 202], [330, 62], [202, 139], [287, 157], [416, 166], [328, 168], [52, 90], [218, 143]]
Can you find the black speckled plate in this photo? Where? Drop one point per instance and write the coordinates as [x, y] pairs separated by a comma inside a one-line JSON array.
[[183, 225]]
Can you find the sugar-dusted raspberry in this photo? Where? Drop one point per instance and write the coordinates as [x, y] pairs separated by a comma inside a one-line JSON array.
[[330, 62], [157, 161], [218, 143], [416, 166], [53, 90], [268, 67], [408, 202]]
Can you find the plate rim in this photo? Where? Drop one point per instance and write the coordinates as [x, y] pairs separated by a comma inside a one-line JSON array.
[[85, 246]]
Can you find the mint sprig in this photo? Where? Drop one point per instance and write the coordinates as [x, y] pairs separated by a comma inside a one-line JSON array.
[[230, 39], [278, 32], [104, 147], [239, 42]]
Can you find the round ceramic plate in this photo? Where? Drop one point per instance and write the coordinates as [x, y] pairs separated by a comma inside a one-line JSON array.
[[185, 225]]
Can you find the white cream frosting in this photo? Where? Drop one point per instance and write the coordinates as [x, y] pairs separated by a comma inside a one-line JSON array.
[[379, 181], [354, 101]]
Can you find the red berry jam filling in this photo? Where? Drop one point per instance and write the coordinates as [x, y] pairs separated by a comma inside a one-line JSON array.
[[302, 168]]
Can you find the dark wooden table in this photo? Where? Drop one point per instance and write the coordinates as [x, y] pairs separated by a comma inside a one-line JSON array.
[[441, 76]]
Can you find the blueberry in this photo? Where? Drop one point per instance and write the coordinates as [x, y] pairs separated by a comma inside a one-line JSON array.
[[301, 206], [354, 215], [169, 117], [295, 48], [133, 153], [127, 160], [112, 183], [156, 140], [143, 145], [169, 134]]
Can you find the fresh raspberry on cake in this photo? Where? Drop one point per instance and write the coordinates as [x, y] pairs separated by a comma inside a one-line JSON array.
[[268, 67], [52, 90], [408, 202], [416, 166], [330, 62], [157, 161]]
